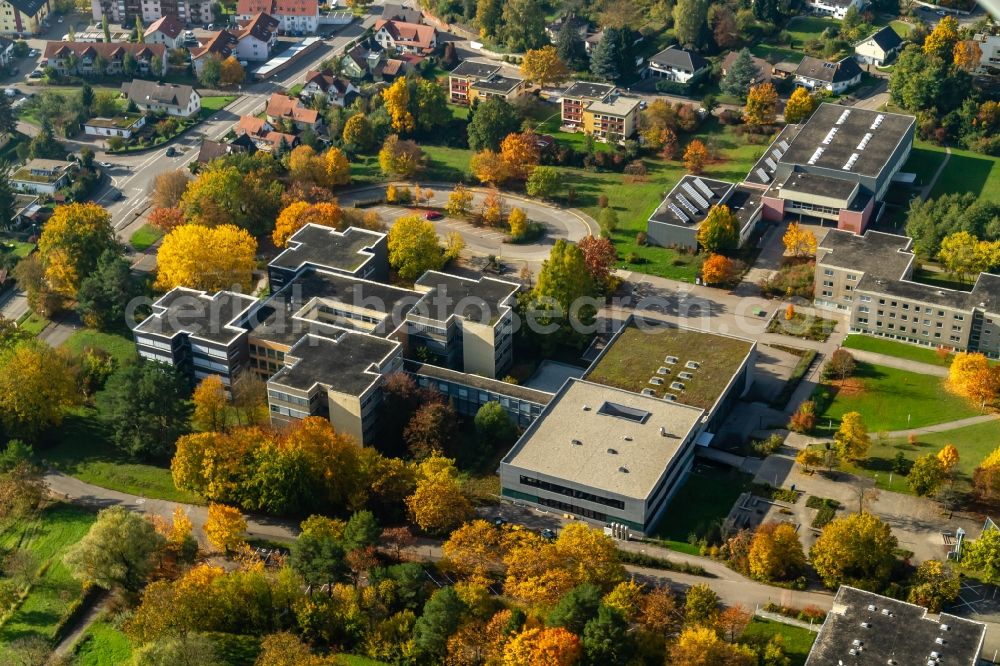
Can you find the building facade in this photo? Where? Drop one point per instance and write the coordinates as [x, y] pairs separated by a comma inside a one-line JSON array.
[[835, 77], [169, 98], [403, 37], [89, 59], [833, 8], [23, 17], [124, 12], [880, 48], [294, 16], [600, 110], [122, 126], [677, 64]]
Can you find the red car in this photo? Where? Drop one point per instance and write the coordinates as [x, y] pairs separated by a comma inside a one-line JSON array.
[[432, 215]]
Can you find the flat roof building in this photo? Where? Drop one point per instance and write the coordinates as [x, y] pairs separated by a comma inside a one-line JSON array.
[[677, 219], [871, 277], [600, 110], [603, 453], [811, 171], [473, 79], [354, 251], [864, 628]]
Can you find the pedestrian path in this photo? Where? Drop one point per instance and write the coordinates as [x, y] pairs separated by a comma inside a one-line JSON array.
[[898, 363]]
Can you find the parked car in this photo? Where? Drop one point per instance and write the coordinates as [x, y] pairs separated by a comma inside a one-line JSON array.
[[548, 534], [171, 151], [105, 165], [37, 74], [432, 215], [34, 53], [941, 13]]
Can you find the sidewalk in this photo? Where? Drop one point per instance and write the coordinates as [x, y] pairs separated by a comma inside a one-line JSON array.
[[898, 363]]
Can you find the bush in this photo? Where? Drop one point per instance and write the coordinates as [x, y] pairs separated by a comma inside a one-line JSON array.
[[766, 447], [640, 238], [633, 258], [652, 562], [804, 418], [767, 491], [789, 281]]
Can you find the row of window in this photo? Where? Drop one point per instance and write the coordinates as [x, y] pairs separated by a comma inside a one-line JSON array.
[[266, 352], [571, 492], [286, 411], [913, 330], [572, 508], [286, 397]]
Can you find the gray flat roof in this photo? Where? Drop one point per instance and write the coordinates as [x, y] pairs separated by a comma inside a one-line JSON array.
[[341, 363], [852, 125], [470, 68], [768, 162], [616, 430], [889, 631], [447, 295], [498, 83], [589, 90], [814, 184], [194, 313], [683, 207], [325, 247], [744, 201], [478, 382]]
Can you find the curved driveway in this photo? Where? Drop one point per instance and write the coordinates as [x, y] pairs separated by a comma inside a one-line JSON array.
[[566, 223]]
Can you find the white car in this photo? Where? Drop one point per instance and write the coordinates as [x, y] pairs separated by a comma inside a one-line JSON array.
[[105, 165]]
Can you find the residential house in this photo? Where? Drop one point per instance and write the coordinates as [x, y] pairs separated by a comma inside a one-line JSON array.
[[394, 12], [476, 79], [364, 61], [337, 91], [765, 70], [264, 136], [124, 126], [282, 107], [879, 48], [23, 17], [989, 61], [256, 37], [170, 98], [124, 12], [592, 40], [40, 176], [83, 59], [293, 16], [677, 64], [834, 8], [212, 150], [835, 77], [578, 24], [405, 37], [220, 45], [6, 51], [166, 30], [600, 110]]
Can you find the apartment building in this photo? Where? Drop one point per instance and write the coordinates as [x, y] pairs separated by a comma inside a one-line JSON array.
[[600, 110], [294, 16], [837, 166], [834, 8], [199, 333], [461, 78], [256, 37], [676, 221], [354, 251], [462, 323], [170, 98], [403, 37], [86, 59], [989, 61], [166, 30], [871, 277], [23, 16], [124, 12], [220, 45]]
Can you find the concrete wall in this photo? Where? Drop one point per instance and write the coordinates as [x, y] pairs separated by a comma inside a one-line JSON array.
[[666, 235]]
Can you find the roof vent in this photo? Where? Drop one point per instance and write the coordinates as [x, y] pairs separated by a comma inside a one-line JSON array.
[[856, 642], [934, 655], [671, 360], [670, 397], [829, 136], [871, 607], [692, 365], [885, 611], [576, 442], [655, 381], [816, 155], [623, 469], [891, 661], [613, 452], [843, 116], [878, 121], [627, 438], [677, 386], [864, 141], [865, 625], [850, 161], [939, 640], [663, 370], [663, 431], [586, 408], [944, 627], [648, 392]]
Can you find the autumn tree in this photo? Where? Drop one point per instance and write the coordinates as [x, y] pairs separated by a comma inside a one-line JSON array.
[[799, 242], [804, 418], [298, 214], [840, 365], [231, 72], [209, 258], [519, 153], [695, 156], [554, 646], [599, 255], [517, 222], [489, 167], [983, 556], [776, 552], [701, 605], [337, 168], [935, 585], [358, 132], [963, 254], [226, 194], [732, 622], [169, 187], [400, 158], [72, 242], [414, 248], [37, 385], [396, 99], [438, 504], [720, 230], [852, 438], [701, 646], [971, 376], [431, 430], [459, 201], [858, 550], [166, 219], [224, 527], [544, 66], [986, 476], [210, 404], [800, 105], [967, 54], [948, 456], [543, 182], [926, 475], [718, 269], [306, 167], [762, 106], [942, 39], [117, 552]]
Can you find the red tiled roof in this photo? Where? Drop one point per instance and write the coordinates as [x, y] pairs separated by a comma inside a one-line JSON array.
[[326, 81], [412, 34], [252, 125], [278, 7], [391, 67], [283, 106], [168, 25], [221, 44], [108, 51], [250, 7]]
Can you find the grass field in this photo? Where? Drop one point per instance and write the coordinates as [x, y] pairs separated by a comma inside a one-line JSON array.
[[33, 323], [121, 348], [144, 237], [47, 537], [973, 442], [774, 54], [102, 645], [796, 640], [966, 172], [897, 349], [889, 400], [805, 28], [19, 249], [704, 499], [216, 102], [924, 161]]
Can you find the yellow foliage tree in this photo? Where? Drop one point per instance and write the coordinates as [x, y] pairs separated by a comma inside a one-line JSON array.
[[810, 457], [518, 223], [948, 456], [300, 213], [695, 156], [626, 598], [210, 404], [717, 269], [963, 254], [232, 72], [800, 105], [306, 167], [856, 549], [971, 376], [701, 646], [397, 103], [209, 258], [287, 649], [776, 552], [459, 201], [762, 105], [553, 647], [37, 385], [338, 169], [414, 248], [799, 242], [852, 437], [967, 54], [519, 153], [941, 42], [71, 242], [489, 167], [400, 158], [224, 527], [474, 550], [357, 131], [544, 66], [438, 505]]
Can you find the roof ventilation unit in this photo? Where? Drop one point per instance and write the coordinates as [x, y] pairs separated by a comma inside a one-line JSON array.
[[679, 213], [843, 116], [656, 381], [685, 376], [864, 140], [662, 370], [576, 442], [783, 144], [670, 397], [816, 155], [586, 408], [878, 121], [623, 469], [671, 360], [648, 392], [677, 386], [692, 365], [613, 452], [850, 161], [829, 136]]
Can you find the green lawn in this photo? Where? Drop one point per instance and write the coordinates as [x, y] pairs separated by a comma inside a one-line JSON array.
[[33, 323], [216, 102], [447, 163], [966, 172], [890, 400], [805, 28], [121, 347], [897, 349], [102, 645], [705, 499], [144, 237], [796, 640], [924, 161], [973, 442], [774, 54], [19, 249], [47, 537], [902, 28], [802, 326]]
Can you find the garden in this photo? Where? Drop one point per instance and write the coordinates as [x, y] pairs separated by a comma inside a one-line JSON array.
[[162, 128], [939, 356], [805, 326]]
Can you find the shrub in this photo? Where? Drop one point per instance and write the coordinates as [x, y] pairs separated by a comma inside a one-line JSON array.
[[804, 418], [634, 258], [766, 447], [640, 238], [602, 201]]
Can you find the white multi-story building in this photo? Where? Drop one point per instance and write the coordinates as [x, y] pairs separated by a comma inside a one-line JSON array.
[[293, 16]]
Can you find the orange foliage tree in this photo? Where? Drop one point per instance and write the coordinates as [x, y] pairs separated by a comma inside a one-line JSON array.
[[717, 269], [298, 214], [695, 156]]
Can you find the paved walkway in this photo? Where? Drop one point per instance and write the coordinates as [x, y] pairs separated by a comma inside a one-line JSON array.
[[926, 191], [898, 363], [944, 427]]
